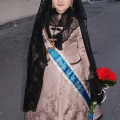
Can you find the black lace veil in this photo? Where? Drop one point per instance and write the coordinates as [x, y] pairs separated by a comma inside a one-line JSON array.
[[36, 60]]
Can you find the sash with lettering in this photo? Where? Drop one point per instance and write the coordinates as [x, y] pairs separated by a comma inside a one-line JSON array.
[[67, 70]]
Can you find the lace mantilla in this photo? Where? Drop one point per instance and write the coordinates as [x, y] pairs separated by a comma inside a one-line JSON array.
[[68, 31]]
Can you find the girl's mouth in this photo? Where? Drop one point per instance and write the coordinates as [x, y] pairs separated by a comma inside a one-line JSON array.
[[60, 4]]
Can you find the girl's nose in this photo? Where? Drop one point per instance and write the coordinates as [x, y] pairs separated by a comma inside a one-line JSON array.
[[60, 1]]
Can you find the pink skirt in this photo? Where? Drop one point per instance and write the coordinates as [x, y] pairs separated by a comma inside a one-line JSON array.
[[59, 100]]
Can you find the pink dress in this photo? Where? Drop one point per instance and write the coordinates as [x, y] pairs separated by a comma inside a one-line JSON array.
[[58, 99]]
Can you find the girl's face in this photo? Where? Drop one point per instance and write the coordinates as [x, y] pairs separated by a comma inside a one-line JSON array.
[[61, 5]]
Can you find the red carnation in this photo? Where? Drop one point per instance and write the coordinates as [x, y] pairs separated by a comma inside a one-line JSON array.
[[106, 76]]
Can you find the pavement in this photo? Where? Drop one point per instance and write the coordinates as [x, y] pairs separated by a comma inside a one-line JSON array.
[[104, 31], [14, 11], [17, 11]]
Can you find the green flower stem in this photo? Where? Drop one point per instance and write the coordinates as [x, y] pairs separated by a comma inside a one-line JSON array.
[[92, 108]]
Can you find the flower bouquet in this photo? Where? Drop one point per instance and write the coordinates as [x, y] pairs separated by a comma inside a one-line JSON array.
[[106, 77]]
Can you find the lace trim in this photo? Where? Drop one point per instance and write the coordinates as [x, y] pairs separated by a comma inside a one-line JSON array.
[[68, 31]]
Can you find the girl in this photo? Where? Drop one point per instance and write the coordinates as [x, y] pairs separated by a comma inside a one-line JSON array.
[[50, 92]]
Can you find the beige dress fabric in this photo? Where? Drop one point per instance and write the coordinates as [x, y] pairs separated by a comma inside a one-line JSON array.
[[58, 99]]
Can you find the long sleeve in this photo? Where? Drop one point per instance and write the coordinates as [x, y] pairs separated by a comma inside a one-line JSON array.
[[95, 87]]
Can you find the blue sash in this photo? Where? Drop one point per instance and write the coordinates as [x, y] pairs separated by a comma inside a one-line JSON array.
[[68, 72]]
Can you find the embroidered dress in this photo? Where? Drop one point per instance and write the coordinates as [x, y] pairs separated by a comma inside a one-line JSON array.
[[58, 99]]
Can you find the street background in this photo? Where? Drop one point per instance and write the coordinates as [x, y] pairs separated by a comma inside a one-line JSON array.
[[15, 34]]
